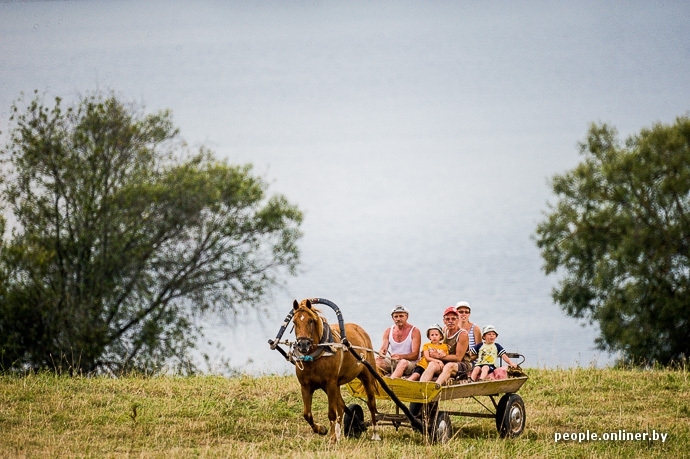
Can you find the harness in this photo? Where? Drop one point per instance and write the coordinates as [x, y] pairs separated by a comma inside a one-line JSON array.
[[326, 342], [325, 348]]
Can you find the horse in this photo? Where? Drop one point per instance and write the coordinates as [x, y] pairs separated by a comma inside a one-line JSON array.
[[327, 369]]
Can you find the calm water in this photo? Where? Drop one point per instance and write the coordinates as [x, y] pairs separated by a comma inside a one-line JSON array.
[[417, 138]]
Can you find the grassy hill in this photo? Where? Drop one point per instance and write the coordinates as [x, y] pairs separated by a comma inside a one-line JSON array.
[[52, 416]]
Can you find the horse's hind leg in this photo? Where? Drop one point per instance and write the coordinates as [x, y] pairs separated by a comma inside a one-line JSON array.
[[336, 410], [370, 388], [307, 394]]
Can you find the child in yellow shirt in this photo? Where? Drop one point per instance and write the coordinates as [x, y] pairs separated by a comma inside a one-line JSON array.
[[428, 367]]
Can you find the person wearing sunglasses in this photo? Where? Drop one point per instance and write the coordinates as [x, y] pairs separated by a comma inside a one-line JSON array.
[[473, 332]]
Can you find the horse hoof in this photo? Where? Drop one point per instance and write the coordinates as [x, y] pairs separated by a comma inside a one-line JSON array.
[[376, 437], [322, 430]]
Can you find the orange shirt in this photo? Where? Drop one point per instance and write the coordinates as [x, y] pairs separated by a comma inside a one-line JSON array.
[[440, 346]]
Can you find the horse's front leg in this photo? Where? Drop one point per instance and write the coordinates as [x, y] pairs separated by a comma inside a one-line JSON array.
[[336, 409], [307, 393]]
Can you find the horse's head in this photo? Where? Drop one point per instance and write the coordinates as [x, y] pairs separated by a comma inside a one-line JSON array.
[[308, 326]]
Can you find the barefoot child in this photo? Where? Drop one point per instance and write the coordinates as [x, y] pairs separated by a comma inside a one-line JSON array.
[[487, 353], [428, 367]]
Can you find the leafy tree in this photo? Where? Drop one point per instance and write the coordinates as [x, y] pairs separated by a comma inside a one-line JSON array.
[[619, 235], [121, 237]]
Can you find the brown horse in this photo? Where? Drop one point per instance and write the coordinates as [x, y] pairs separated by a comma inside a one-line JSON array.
[[333, 368]]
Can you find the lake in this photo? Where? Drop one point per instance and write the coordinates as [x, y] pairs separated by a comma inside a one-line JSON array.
[[418, 138]]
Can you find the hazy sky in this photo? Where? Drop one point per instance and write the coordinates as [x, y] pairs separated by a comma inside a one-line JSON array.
[[305, 72], [274, 82]]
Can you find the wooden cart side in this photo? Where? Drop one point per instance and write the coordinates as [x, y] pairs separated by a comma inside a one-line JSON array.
[[475, 389], [406, 391], [426, 392]]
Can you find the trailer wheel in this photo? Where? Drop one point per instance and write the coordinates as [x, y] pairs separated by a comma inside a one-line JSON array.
[[353, 421], [510, 416], [440, 428]]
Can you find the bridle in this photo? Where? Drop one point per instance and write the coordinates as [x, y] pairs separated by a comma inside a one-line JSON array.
[[309, 331], [304, 345]]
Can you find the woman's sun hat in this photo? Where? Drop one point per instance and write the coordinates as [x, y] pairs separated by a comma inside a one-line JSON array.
[[463, 304]]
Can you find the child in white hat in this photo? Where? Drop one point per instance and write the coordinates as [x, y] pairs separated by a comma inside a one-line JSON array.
[[487, 354], [428, 367]]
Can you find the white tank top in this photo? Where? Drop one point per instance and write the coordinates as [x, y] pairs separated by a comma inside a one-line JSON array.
[[403, 347]]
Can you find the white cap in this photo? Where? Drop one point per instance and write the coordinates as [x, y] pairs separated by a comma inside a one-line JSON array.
[[399, 308], [460, 304]]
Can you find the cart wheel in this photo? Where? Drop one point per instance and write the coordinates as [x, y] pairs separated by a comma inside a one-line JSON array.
[[510, 416], [440, 429], [353, 421]]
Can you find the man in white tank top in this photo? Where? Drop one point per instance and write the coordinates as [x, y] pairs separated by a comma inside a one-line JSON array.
[[399, 350]]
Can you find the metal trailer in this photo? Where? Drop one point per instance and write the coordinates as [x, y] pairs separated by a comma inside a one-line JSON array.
[[425, 399]]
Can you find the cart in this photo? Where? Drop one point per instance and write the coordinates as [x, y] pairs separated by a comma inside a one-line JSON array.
[[425, 399], [423, 413]]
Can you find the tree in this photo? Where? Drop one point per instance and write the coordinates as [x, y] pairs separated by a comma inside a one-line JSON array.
[[121, 237], [619, 235]]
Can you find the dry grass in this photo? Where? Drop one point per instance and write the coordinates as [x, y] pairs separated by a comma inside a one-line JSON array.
[[213, 417]]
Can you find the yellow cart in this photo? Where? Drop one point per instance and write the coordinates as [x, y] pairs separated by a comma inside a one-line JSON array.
[[423, 413]]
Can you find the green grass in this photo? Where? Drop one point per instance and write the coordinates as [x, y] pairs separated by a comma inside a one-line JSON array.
[[55, 416]]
